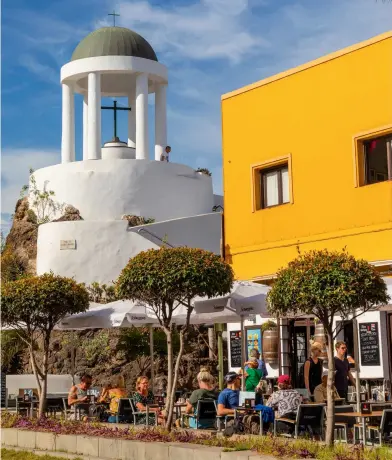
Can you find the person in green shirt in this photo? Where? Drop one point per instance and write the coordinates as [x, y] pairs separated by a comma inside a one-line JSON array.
[[252, 374], [206, 391]]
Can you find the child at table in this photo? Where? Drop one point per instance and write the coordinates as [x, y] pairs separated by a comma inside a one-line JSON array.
[[252, 374]]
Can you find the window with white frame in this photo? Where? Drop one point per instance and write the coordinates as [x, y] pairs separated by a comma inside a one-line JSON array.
[[275, 186]]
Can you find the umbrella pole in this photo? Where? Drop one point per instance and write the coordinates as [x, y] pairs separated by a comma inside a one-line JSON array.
[[152, 356], [356, 353], [219, 329], [243, 345]]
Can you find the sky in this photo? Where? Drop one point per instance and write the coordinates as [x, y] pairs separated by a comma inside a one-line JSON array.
[[210, 47]]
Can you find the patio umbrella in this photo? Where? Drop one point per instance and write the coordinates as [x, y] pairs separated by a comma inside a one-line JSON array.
[[121, 313], [246, 298]]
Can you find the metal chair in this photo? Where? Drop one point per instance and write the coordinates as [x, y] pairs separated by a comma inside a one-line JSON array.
[[145, 413], [343, 423], [54, 405], [308, 415], [221, 419], [205, 411], [67, 409], [124, 411], [384, 430]]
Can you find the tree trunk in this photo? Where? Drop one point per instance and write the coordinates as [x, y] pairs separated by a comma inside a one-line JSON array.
[[169, 341], [174, 383], [42, 399], [329, 436]]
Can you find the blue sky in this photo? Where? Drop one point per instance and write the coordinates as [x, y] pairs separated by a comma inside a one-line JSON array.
[[209, 46]]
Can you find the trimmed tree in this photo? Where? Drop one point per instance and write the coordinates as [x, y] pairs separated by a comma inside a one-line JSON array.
[[327, 284], [166, 279], [32, 307]]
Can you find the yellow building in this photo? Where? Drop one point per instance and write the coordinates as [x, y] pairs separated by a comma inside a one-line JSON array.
[[307, 162]]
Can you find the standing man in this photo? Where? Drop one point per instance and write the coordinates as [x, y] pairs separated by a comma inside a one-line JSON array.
[[342, 370], [165, 155], [254, 353]]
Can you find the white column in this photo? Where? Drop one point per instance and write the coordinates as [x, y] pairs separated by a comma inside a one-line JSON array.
[[85, 127], [132, 122], [142, 117], [94, 116], [68, 125], [160, 121]]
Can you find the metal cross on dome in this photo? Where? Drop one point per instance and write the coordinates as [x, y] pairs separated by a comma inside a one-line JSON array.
[[114, 14]]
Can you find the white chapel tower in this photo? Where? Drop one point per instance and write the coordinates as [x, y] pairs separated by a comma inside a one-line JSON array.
[[120, 178]]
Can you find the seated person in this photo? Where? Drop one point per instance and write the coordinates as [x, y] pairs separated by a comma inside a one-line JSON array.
[[112, 395], [77, 396], [143, 397], [286, 401], [320, 392], [206, 391], [229, 398], [252, 374]]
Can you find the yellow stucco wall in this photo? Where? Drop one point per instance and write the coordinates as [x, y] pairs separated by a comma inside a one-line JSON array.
[[313, 114]]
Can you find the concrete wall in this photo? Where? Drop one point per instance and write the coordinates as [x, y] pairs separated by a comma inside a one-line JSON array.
[[107, 189], [197, 232], [90, 447], [104, 248]]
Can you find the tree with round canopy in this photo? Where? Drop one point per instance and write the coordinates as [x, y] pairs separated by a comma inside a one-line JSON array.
[[327, 284], [166, 279], [32, 306]]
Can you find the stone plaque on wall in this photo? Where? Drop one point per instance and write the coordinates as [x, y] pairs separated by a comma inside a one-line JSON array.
[[67, 244]]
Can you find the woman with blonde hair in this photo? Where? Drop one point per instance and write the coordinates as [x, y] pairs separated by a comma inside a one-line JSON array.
[[144, 397], [112, 395], [313, 368], [206, 383]]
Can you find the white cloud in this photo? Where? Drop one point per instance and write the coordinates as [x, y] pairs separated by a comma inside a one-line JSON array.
[[199, 31], [15, 165]]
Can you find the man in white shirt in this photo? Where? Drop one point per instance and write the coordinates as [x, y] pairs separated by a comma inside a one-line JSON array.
[[165, 154]]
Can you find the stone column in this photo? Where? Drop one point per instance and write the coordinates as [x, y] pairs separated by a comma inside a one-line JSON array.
[[131, 121], [94, 116], [142, 117], [68, 125], [85, 126], [160, 121]]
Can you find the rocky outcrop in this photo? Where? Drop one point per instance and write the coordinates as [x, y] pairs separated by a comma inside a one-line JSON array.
[[134, 221], [70, 213], [21, 242]]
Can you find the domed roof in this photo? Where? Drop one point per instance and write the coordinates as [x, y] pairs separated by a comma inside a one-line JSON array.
[[114, 41]]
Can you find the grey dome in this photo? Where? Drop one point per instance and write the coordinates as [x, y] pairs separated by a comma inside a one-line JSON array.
[[114, 41]]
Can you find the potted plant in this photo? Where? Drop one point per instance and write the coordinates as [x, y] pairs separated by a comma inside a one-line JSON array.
[[203, 171]]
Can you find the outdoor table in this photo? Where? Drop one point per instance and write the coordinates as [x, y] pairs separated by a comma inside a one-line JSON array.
[[29, 405], [178, 407], [363, 417], [248, 411]]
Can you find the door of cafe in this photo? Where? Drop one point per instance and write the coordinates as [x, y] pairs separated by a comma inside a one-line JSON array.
[[301, 331]]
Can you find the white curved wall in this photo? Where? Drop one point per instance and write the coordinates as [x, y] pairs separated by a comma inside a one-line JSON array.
[[107, 189], [104, 248]]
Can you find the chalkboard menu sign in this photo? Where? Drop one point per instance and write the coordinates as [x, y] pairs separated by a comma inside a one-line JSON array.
[[235, 348], [3, 390], [369, 344]]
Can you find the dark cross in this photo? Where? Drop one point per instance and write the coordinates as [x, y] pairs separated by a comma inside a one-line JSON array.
[[115, 108], [114, 14]]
